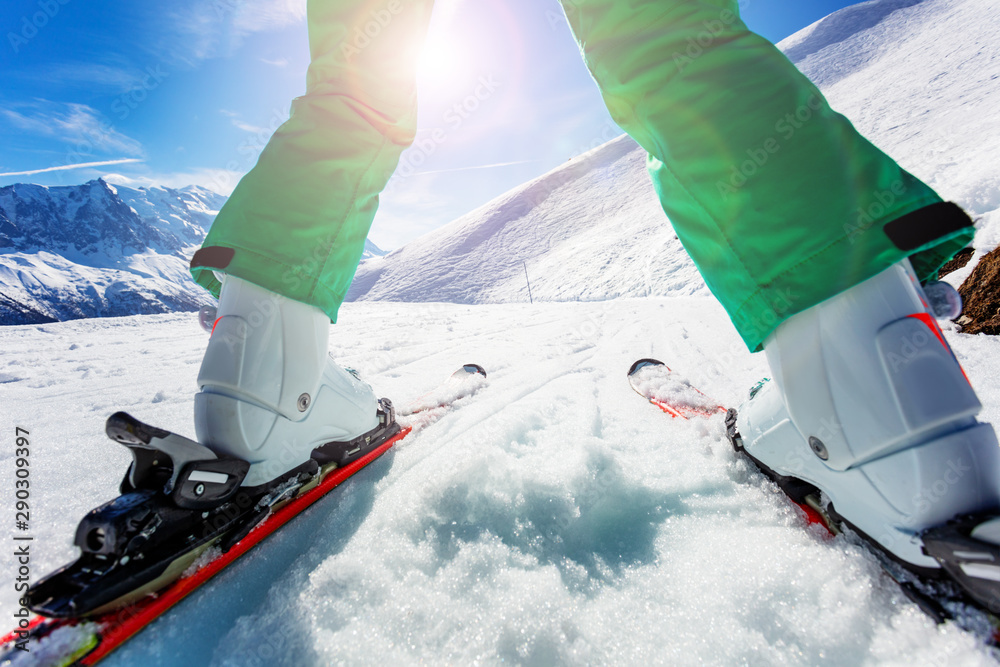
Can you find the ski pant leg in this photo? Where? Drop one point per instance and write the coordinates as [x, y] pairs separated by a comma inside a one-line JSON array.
[[296, 224], [779, 201]]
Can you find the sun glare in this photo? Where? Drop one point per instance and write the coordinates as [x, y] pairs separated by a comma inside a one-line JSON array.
[[440, 64]]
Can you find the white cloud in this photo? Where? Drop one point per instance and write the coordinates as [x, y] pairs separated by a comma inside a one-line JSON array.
[[277, 62], [90, 75], [238, 122], [77, 124], [480, 166], [259, 15], [65, 167], [247, 127], [218, 28]]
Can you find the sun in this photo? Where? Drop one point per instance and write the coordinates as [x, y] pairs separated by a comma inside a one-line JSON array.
[[440, 64]]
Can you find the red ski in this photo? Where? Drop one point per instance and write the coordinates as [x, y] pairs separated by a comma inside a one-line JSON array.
[[654, 381], [668, 391], [938, 598], [88, 639]]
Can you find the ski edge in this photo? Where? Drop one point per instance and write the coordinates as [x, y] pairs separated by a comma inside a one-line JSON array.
[[105, 641], [114, 628], [175, 593]]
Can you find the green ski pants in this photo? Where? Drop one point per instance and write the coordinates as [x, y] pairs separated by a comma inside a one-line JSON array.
[[779, 201]]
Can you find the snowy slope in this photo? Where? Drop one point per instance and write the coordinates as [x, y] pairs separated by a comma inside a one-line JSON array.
[[589, 230], [557, 518], [921, 79], [924, 85]]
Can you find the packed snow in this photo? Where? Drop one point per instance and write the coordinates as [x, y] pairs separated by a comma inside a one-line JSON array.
[[556, 517]]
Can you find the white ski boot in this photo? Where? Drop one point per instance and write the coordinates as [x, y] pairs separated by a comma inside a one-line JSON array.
[[870, 410], [270, 394]]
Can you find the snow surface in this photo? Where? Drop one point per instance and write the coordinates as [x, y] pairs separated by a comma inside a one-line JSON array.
[[589, 230], [556, 518]]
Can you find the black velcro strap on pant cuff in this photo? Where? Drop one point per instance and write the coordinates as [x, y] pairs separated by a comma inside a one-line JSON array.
[[213, 257], [926, 224]]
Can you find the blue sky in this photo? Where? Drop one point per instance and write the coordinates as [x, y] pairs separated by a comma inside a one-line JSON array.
[[175, 92]]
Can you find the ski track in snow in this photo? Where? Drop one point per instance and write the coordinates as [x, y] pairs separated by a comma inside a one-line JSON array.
[[554, 518]]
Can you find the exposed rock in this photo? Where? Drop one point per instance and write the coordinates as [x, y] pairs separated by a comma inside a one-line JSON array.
[[960, 259], [981, 297]]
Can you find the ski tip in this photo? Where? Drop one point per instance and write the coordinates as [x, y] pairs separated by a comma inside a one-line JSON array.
[[642, 363], [473, 369]]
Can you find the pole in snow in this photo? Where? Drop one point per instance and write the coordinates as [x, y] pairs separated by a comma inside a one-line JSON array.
[[527, 281]]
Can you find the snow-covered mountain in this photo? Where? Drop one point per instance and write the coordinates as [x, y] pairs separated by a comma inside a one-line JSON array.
[[186, 214], [922, 81], [98, 250], [920, 78]]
